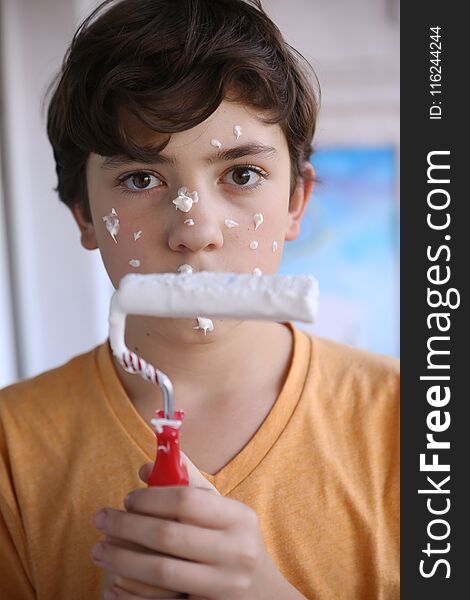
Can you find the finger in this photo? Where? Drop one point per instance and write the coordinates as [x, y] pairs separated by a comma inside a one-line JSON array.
[[187, 504], [120, 594], [195, 476], [161, 571], [135, 587], [145, 470], [121, 542], [167, 537], [144, 590]]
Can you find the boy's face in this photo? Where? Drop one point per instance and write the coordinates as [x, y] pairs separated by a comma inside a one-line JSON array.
[[240, 169]]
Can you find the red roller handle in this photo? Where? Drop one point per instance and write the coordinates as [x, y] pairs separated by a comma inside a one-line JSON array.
[[169, 467]]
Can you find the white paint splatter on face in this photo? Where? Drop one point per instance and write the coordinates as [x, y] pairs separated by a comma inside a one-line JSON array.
[[258, 219], [134, 262], [274, 246], [216, 143], [185, 269], [230, 223], [137, 234], [112, 224], [237, 130], [204, 324], [185, 201], [254, 244], [189, 222], [257, 271]]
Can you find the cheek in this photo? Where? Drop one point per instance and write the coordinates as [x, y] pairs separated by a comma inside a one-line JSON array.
[[116, 261], [257, 240], [122, 242]]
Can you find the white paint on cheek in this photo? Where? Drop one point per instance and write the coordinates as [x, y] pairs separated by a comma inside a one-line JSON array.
[[134, 262], [216, 143], [257, 271], [185, 201], [230, 223], [204, 324], [274, 246], [185, 269], [137, 234], [254, 244], [258, 219], [189, 222], [237, 130], [112, 224]]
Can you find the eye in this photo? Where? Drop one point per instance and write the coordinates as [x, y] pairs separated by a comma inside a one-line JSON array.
[[244, 176], [141, 181]]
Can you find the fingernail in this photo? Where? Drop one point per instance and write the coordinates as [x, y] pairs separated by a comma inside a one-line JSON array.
[[100, 518], [97, 551], [111, 594], [128, 500]]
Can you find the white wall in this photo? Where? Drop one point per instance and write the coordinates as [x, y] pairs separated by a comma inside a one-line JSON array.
[[60, 291], [353, 45], [8, 348]]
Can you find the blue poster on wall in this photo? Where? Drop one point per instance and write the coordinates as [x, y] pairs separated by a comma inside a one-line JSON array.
[[350, 243]]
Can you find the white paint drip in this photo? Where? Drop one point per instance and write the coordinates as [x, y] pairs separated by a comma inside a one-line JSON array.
[[185, 269], [204, 324], [164, 448], [216, 143], [254, 244], [230, 223], [185, 201], [189, 222], [112, 224], [257, 271], [237, 130], [258, 219], [134, 262], [158, 424], [137, 234], [274, 246]]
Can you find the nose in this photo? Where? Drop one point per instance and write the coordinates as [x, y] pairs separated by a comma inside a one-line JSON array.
[[204, 235]]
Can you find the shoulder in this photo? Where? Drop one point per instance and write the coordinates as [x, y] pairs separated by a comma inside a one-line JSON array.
[[342, 360], [56, 383], [353, 399], [346, 354], [351, 380]]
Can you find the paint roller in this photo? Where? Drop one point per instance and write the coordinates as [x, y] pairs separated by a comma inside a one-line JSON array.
[[219, 295]]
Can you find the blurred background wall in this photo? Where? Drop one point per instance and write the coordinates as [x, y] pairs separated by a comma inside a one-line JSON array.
[[54, 295]]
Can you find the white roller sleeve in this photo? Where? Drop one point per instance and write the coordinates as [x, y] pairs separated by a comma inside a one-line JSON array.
[[214, 295]]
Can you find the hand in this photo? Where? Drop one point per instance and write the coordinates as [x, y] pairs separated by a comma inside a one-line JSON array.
[[137, 588], [188, 539]]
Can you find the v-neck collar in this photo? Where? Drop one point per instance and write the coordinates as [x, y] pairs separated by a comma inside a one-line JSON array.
[[251, 455]]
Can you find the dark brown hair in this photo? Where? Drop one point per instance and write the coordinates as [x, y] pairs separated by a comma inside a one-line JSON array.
[[171, 63]]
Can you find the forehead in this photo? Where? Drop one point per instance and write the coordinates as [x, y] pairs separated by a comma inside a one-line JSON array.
[[219, 126]]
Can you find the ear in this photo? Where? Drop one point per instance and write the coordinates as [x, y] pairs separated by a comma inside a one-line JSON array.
[[298, 202], [87, 229]]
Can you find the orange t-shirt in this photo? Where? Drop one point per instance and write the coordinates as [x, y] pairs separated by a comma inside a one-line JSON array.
[[321, 472]]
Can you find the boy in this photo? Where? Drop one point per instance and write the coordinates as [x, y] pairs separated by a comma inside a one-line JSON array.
[[182, 133]]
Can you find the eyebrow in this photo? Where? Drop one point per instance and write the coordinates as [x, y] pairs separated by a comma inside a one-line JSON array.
[[222, 155], [241, 151]]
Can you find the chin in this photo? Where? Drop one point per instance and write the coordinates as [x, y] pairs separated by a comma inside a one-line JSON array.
[[190, 331]]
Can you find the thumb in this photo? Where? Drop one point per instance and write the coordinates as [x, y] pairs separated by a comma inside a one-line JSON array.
[[145, 470], [196, 478]]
